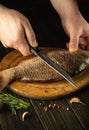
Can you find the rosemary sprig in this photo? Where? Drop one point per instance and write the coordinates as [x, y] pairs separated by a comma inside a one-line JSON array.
[[13, 102]]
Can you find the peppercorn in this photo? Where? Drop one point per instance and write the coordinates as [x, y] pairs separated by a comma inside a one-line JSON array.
[[46, 108]]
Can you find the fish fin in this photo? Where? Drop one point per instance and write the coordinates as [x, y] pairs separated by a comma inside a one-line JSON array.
[[6, 76]]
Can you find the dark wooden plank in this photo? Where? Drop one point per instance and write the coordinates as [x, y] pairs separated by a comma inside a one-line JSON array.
[[14, 122], [31, 122], [68, 117], [81, 111], [43, 117], [57, 118], [8, 122], [77, 117]]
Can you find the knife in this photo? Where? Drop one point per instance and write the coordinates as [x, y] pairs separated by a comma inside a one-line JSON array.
[[53, 65]]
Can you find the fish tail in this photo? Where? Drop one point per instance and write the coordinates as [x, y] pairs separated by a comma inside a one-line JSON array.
[[6, 76]]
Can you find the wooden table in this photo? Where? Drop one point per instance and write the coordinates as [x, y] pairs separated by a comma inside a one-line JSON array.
[[68, 117]]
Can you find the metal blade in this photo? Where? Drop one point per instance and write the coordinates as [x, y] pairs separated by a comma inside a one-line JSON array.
[[53, 65]]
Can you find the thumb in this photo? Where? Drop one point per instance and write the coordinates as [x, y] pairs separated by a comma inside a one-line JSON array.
[[73, 43]]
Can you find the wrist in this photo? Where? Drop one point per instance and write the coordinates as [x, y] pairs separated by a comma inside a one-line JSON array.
[[66, 9]]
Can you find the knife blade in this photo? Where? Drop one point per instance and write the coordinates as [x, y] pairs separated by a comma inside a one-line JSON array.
[[53, 65]]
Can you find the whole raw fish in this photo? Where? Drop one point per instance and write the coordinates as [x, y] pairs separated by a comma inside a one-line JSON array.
[[35, 70]]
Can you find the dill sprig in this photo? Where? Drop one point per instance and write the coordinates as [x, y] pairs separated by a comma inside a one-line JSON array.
[[14, 103]]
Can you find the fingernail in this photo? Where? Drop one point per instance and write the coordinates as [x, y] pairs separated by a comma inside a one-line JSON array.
[[73, 47], [35, 44]]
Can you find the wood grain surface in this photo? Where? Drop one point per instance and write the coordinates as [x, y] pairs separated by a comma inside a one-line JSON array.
[[42, 90]]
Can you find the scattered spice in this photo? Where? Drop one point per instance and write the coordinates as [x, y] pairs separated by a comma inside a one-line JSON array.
[[54, 105], [25, 114], [76, 100], [67, 109], [59, 106], [46, 108], [50, 105], [40, 104]]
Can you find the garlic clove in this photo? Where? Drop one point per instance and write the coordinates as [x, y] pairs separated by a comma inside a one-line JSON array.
[[76, 100], [25, 114]]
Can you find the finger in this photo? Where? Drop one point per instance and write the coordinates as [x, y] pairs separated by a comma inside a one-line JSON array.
[[73, 43], [87, 42], [83, 47], [88, 48], [30, 35], [87, 39], [82, 41], [24, 51], [23, 47], [67, 45]]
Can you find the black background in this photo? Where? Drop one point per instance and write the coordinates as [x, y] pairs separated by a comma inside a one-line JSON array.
[[44, 19]]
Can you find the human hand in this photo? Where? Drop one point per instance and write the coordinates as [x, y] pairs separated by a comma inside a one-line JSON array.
[[77, 28], [16, 31]]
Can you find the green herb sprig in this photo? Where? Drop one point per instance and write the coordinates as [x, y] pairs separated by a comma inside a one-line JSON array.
[[13, 102]]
